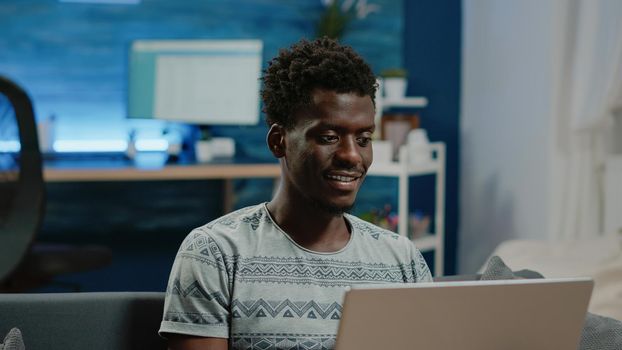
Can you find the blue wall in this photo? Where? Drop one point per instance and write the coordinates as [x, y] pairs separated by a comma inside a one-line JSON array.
[[432, 54], [72, 57]]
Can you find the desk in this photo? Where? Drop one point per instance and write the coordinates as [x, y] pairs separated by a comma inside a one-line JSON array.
[[82, 172]]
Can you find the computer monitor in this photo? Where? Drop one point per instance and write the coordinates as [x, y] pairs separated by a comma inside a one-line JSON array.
[[205, 82]]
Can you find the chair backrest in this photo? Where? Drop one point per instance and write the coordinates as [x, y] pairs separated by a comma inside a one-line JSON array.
[[22, 190], [93, 321]]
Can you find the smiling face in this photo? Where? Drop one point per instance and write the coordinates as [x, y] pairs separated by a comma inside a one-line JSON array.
[[327, 153]]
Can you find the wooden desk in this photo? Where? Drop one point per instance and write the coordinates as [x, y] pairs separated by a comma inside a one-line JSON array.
[[169, 172], [226, 172]]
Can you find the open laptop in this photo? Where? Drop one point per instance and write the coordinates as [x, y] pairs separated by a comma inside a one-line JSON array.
[[477, 315]]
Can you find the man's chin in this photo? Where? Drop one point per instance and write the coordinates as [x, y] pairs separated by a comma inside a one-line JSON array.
[[338, 211], [334, 209]]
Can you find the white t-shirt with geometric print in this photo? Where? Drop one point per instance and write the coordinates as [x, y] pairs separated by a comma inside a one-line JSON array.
[[242, 277]]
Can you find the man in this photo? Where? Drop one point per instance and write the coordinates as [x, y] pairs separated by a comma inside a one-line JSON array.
[[273, 275]]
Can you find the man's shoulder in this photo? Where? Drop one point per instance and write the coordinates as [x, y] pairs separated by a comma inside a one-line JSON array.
[[252, 214], [373, 232], [233, 229]]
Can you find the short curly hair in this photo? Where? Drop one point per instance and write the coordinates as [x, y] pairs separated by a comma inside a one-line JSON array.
[[291, 77]]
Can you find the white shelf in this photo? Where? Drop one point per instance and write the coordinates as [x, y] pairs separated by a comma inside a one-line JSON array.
[[396, 168], [416, 102], [382, 104], [402, 170], [426, 243]]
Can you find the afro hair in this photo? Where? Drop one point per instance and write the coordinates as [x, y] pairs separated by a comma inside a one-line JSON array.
[[291, 77]]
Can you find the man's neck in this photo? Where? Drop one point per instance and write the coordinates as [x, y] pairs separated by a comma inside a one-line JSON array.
[[309, 225]]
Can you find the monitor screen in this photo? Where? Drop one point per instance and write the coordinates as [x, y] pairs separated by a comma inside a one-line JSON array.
[[213, 82]]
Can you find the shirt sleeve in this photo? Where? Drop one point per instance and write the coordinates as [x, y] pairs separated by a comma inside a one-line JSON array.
[[421, 271], [198, 293]]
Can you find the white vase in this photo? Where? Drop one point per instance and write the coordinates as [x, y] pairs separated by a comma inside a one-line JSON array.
[[394, 88], [419, 151], [383, 151], [203, 151]]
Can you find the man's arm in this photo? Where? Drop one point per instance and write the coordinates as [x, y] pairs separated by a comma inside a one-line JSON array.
[[199, 266], [186, 342]]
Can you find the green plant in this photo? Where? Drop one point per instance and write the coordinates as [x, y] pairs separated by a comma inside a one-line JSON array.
[[333, 21], [338, 14], [394, 73], [204, 133]]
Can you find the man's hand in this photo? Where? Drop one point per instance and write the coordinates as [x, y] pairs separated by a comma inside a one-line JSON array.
[[186, 342]]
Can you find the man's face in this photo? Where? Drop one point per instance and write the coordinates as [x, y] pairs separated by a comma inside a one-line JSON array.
[[329, 150]]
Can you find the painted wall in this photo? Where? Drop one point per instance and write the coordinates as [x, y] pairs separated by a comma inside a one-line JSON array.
[[72, 57], [506, 128], [432, 44]]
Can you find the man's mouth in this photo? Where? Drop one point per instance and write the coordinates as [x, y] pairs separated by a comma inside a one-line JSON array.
[[342, 178], [344, 181]]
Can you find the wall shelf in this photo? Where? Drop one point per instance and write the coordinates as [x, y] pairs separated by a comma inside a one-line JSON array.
[[382, 104], [413, 102], [403, 171], [426, 242]]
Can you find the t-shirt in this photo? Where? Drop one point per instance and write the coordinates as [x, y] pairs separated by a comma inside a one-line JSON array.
[[242, 277]]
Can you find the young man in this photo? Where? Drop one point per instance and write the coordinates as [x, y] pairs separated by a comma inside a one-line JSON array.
[[272, 276]]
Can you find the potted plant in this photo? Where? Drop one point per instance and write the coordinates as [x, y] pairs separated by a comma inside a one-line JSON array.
[[202, 145], [338, 14], [394, 82], [333, 21]]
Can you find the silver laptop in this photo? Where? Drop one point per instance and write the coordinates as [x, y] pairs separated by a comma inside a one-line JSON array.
[[478, 315]]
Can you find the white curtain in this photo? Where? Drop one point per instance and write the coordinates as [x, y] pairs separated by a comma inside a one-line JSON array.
[[589, 84]]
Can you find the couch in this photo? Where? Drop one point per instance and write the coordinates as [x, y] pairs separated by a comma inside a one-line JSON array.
[[87, 321], [599, 258], [130, 320]]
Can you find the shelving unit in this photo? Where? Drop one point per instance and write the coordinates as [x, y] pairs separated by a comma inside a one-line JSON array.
[[382, 104], [403, 171], [417, 102]]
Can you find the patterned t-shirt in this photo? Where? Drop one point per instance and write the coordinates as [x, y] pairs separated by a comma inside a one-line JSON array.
[[242, 277]]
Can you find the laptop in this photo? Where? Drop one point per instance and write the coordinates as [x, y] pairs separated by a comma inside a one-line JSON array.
[[476, 315]]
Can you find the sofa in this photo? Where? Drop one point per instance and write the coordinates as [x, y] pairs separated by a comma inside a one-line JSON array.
[[130, 320], [91, 321], [598, 257]]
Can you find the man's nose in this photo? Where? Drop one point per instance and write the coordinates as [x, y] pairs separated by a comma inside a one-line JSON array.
[[348, 153]]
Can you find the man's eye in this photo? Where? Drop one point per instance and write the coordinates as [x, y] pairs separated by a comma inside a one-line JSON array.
[[364, 141], [328, 138]]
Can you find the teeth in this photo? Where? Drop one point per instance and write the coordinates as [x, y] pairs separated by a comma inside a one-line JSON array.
[[341, 178]]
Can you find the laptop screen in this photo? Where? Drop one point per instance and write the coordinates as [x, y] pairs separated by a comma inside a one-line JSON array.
[[511, 314]]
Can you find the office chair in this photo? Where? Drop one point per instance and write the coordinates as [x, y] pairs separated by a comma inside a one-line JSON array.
[[25, 263]]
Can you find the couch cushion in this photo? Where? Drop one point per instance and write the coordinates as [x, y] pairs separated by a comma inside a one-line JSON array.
[[599, 332], [107, 320], [599, 258]]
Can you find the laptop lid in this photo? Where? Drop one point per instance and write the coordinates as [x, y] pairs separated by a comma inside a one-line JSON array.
[[477, 315]]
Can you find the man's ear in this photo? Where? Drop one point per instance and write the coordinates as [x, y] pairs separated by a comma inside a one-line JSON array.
[[276, 140]]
